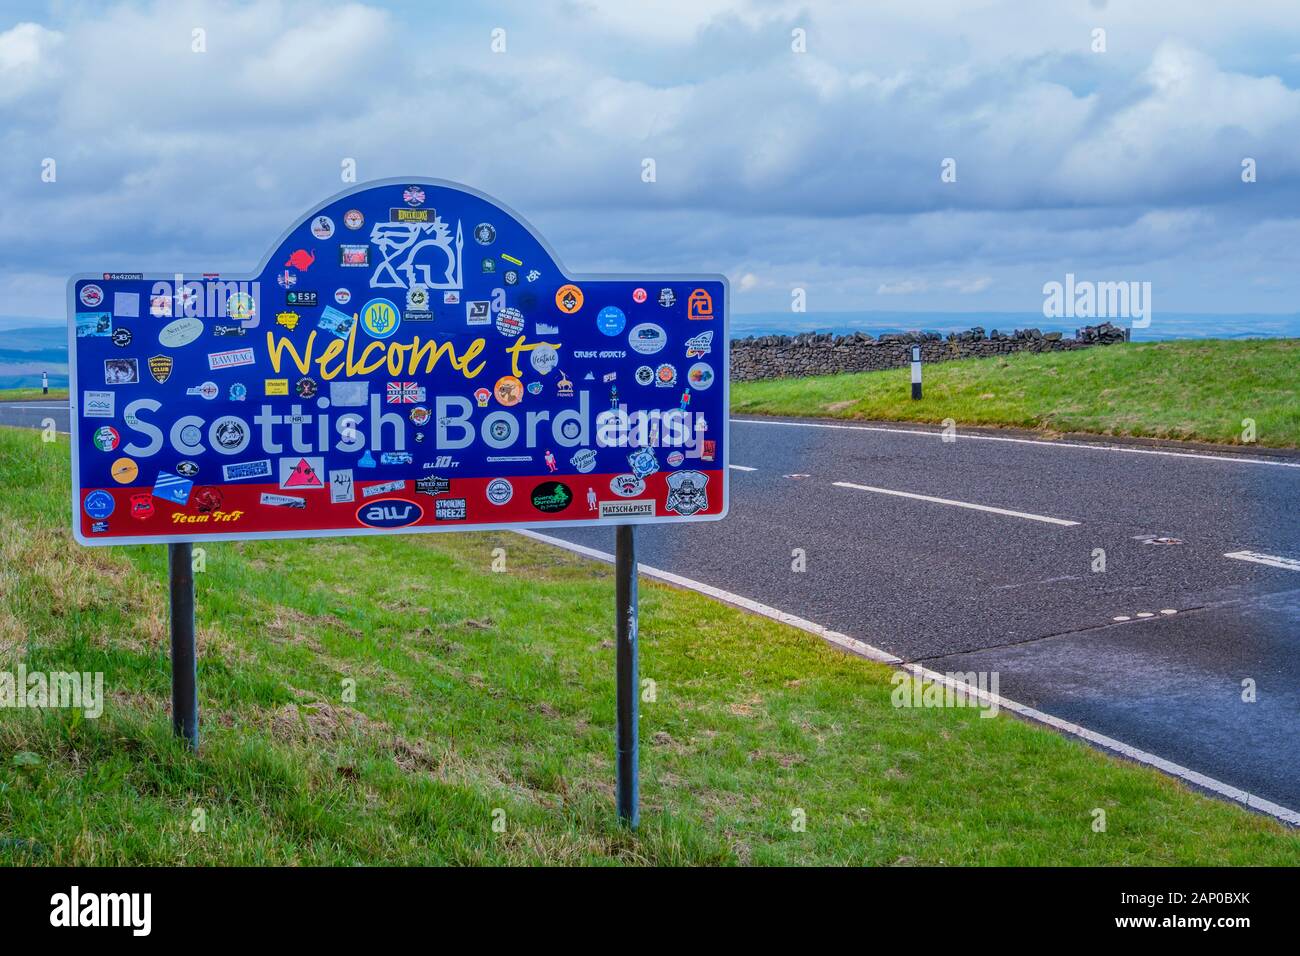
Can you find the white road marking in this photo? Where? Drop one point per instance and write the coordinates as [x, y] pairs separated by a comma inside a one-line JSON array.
[[1272, 560], [742, 468], [1233, 459], [863, 649], [826, 634], [956, 504], [1144, 615]]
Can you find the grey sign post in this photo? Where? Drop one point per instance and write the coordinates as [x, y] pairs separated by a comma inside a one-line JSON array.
[[185, 679], [627, 783]]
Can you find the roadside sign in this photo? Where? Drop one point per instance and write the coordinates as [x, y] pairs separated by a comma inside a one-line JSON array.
[[411, 356]]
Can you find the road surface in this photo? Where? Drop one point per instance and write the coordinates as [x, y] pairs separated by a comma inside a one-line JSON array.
[[31, 414], [1157, 650]]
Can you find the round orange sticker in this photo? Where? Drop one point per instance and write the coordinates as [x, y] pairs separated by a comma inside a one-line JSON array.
[[568, 299], [509, 390], [124, 471]]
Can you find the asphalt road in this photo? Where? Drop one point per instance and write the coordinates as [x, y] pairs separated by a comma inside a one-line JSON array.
[[31, 414], [960, 589], [1152, 651]]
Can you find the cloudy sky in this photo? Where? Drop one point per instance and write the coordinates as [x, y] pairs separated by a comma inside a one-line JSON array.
[[818, 169]]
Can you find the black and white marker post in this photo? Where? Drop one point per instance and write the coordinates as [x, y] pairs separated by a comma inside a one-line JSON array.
[[627, 785], [916, 372], [185, 678], [45, 383]]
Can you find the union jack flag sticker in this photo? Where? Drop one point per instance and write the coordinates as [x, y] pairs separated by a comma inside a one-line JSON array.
[[405, 393]]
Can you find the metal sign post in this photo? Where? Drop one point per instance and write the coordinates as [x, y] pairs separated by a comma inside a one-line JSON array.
[[627, 785], [185, 700]]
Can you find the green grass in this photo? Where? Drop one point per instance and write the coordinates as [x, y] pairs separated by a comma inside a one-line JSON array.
[[479, 692], [25, 394], [1198, 390]]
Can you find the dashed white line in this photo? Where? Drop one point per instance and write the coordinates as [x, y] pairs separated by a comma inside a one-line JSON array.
[[1231, 459], [1272, 560], [742, 468], [957, 504], [863, 649]]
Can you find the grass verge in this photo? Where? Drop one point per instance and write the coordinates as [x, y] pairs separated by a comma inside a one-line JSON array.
[[1196, 390], [486, 696], [26, 394]]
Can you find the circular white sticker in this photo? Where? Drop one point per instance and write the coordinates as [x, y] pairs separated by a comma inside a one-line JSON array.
[[545, 358], [647, 338], [499, 491], [510, 321], [700, 376]]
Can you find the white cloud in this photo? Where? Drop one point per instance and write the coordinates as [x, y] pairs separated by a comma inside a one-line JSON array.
[[27, 60], [676, 21], [310, 60]]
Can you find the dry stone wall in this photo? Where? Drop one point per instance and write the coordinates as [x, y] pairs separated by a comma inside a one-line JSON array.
[[815, 353]]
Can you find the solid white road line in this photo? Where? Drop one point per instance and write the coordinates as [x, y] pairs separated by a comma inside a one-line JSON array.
[[826, 634], [742, 468], [1273, 561], [956, 504], [863, 649], [1230, 458]]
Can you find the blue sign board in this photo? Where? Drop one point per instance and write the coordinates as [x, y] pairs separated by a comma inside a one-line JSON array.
[[411, 356]]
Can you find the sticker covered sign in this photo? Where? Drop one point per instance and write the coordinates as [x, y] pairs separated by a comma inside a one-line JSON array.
[[411, 356]]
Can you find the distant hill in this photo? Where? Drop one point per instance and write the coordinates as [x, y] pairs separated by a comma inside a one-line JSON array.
[[27, 351]]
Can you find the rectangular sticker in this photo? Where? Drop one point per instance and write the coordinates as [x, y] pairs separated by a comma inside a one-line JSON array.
[[382, 489], [94, 324], [247, 469], [341, 490], [126, 304], [282, 501], [627, 509], [230, 359], [98, 404]]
